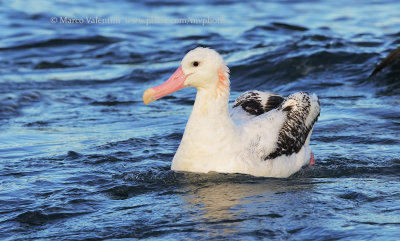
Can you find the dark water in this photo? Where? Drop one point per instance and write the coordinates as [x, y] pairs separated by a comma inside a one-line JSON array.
[[81, 156]]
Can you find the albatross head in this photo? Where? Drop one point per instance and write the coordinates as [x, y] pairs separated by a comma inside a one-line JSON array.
[[202, 68]]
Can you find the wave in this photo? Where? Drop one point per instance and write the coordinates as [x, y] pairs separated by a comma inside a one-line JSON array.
[[345, 167], [37, 218], [11, 105], [52, 65], [276, 68], [57, 42]]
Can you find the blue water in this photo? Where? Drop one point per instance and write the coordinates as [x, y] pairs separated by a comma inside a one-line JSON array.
[[82, 158]]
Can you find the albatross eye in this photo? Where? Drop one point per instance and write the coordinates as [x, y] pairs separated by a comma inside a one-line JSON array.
[[195, 63]]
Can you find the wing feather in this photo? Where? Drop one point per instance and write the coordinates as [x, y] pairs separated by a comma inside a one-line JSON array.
[[257, 103], [302, 111], [274, 126]]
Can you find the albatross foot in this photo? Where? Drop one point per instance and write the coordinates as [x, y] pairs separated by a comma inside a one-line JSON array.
[[312, 160]]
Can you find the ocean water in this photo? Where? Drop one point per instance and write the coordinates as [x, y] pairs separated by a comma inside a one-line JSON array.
[[82, 158]]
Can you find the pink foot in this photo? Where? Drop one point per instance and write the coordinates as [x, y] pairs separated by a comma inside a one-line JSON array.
[[312, 160]]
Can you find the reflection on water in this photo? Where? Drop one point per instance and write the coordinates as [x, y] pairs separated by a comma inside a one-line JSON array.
[[226, 209]]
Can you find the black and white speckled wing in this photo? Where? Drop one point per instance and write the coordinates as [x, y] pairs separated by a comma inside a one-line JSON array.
[[254, 103], [302, 111], [282, 130], [275, 126]]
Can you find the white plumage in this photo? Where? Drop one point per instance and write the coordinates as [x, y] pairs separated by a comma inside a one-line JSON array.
[[263, 134]]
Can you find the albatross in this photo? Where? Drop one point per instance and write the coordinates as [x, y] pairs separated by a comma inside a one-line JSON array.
[[263, 134]]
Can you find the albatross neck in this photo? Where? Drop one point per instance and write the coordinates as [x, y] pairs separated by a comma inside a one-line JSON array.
[[209, 104]]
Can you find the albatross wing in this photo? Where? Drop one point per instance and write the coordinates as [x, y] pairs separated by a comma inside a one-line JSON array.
[[276, 130], [302, 111], [254, 103]]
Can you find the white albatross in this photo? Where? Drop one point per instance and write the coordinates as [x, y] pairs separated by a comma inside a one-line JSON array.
[[263, 135]]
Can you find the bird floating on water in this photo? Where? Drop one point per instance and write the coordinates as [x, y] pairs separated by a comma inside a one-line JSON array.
[[263, 134]]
